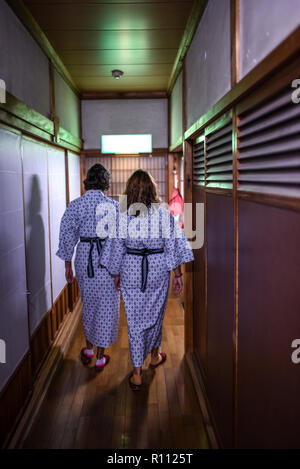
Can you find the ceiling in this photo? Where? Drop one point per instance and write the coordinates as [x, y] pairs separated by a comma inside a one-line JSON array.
[[140, 37]]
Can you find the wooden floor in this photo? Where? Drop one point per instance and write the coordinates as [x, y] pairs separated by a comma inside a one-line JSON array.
[[86, 410]]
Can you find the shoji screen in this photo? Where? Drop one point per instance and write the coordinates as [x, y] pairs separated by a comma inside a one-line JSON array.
[[57, 199], [74, 175], [13, 304], [121, 168], [157, 166], [37, 230]]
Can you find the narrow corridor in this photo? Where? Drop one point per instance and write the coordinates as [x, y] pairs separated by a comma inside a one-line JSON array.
[[88, 410]]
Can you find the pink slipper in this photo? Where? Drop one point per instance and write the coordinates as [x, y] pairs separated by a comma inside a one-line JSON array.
[[86, 360], [101, 367]]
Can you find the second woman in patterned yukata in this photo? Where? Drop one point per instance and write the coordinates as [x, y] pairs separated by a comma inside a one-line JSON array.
[[144, 259], [101, 301]]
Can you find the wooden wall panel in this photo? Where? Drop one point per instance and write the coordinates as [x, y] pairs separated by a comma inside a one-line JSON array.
[[40, 343], [199, 299], [13, 397], [220, 302], [269, 320]]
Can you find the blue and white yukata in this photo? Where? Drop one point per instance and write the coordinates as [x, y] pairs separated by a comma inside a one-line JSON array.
[[101, 301], [144, 278]]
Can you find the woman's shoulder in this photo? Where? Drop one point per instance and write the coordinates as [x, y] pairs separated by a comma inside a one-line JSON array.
[[111, 201]]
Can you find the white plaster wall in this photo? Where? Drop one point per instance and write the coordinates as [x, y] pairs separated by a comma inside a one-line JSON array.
[[23, 65], [67, 105], [125, 116], [264, 24], [208, 61]]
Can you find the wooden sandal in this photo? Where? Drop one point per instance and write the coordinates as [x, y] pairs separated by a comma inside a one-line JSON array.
[[134, 387], [163, 359]]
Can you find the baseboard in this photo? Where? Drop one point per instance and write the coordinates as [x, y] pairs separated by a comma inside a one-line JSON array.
[[199, 388], [59, 349]]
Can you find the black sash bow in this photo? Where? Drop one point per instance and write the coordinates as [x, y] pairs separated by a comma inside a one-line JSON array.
[[92, 241], [145, 265]]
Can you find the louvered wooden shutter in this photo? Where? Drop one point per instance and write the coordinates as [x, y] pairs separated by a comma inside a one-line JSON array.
[[269, 146], [219, 166], [199, 162]]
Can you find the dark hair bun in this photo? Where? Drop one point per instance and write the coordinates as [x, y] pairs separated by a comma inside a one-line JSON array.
[[97, 178]]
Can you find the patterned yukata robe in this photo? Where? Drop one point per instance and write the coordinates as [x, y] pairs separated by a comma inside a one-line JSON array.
[[101, 301], [145, 310]]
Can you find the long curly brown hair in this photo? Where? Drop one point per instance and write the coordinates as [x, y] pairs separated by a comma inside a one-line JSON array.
[[141, 188]]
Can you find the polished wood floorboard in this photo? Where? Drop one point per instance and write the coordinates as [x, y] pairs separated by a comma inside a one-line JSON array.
[[86, 410]]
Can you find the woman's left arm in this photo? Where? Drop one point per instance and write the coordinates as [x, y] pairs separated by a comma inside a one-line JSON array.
[[177, 281]]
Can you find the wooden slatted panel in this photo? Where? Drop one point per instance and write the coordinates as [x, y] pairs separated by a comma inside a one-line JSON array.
[[157, 167], [121, 168], [199, 163], [269, 147], [219, 166]]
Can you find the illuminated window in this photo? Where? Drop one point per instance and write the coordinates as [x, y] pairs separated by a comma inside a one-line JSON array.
[[126, 144]]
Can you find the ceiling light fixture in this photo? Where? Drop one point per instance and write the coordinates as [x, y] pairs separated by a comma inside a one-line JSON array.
[[117, 74]]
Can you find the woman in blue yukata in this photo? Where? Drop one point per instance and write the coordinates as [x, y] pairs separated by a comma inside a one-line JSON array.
[[101, 301], [141, 261]]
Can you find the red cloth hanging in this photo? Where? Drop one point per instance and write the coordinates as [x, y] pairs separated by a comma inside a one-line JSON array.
[[176, 207]]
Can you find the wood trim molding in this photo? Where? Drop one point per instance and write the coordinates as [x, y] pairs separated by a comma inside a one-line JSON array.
[[97, 95], [290, 203], [67, 177], [191, 26], [188, 276], [59, 309], [40, 37], [184, 110], [40, 342], [97, 153], [177, 147], [286, 51], [235, 41], [82, 171], [13, 399], [58, 351], [235, 332], [69, 141], [202, 399], [218, 123], [17, 114], [52, 91], [18, 109]]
